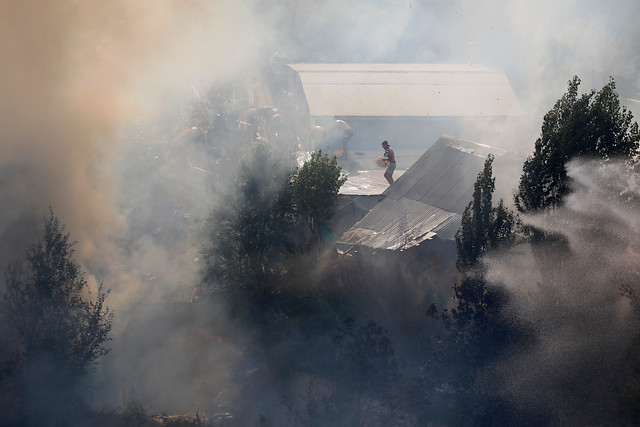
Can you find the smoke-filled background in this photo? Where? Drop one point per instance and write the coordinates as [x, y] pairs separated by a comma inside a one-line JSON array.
[[74, 74], [78, 79], [89, 90], [577, 300]]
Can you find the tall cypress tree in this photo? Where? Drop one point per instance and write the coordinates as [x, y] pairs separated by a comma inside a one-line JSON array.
[[483, 226]]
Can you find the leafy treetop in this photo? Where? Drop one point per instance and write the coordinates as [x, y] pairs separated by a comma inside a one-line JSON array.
[[250, 229], [315, 189], [590, 125], [47, 308]]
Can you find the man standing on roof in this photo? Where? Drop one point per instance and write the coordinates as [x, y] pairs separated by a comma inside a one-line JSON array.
[[390, 158]]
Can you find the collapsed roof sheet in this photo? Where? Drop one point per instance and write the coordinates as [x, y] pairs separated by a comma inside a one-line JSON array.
[[406, 90], [397, 224]]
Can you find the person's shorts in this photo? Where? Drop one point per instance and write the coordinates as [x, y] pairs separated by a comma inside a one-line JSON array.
[[390, 168]]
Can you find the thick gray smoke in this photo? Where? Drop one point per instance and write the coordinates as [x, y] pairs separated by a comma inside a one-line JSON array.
[[577, 301], [75, 75], [75, 78]]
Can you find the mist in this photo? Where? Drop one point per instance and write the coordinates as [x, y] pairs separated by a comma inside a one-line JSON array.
[[93, 96], [578, 301], [82, 83], [74, 75]]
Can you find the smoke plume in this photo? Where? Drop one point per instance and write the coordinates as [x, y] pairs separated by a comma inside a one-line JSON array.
[[79, 77], [578, 301]]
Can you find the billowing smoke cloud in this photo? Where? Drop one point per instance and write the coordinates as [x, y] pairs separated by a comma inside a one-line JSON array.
[[76, 74], [577, 301], [73, 74]]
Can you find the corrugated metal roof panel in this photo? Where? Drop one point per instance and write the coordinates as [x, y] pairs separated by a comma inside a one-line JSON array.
[[402, 78], [450, 184], [448, 229], [384, 100], [406, 90], [444, 175], [427, 200], [395, 224], [388, 67]]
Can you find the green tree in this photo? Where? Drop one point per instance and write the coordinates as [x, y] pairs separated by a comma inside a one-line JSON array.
[[590, 125], [250, 228], [477, 332], [477, 335], [56, 332], [315, 189], [483, 226]]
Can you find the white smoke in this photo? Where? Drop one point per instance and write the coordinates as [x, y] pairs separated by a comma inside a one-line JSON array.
[[75, 75], [575, 301]]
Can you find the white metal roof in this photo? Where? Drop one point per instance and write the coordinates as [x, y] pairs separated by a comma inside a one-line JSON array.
[[387, 67], [406, 90]]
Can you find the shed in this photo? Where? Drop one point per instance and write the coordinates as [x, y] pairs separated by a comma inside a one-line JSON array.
[[427, 201], [408, 104]]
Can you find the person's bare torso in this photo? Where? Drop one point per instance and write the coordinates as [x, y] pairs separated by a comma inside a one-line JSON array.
[[391, 157]]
